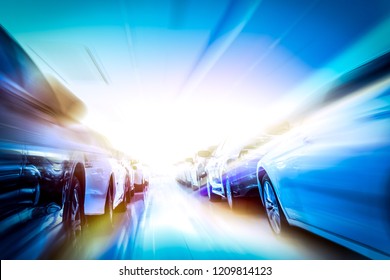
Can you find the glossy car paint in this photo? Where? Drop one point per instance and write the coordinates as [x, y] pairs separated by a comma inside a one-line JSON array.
[[331, 174], [38, 169], [102, 172]]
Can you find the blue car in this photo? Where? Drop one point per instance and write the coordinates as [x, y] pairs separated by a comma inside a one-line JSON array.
[[231, 171], [330, 175]]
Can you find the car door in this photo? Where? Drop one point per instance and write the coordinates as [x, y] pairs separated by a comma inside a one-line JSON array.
[[343, 181], [243, 170]]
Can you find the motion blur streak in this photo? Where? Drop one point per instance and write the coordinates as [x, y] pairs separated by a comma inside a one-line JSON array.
[[165, 79], [177, 224], [236, 16], [230, 55], [369, 46]]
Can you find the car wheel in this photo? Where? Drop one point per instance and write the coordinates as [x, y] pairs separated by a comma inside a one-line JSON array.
[[122, 207], [275, 215], [73, 216], [212, 196], [108, 209], [194, 187], [232, 202], [128, 191]]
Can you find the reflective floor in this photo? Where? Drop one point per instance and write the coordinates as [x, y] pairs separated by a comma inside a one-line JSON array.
[[171, 221]]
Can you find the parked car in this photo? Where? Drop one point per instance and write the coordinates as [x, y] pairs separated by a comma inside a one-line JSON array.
[[41, 166], [183, 171], [231, 171], [123, 185], [127, 174], [130, 189], [147, 174], [107, 180], [141, 180], [198, 168], [330, 175]]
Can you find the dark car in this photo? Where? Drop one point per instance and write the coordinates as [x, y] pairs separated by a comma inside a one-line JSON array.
[[231, 171], [41, 167]]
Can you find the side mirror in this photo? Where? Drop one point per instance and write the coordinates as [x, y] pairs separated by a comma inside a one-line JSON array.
[[243, 153], [204, 154]]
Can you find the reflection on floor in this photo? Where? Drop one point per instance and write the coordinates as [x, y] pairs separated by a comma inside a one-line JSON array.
[[170, 221]]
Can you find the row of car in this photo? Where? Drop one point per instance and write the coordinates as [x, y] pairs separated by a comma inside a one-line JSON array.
[[326, 169], [47, 157], [191, 172]]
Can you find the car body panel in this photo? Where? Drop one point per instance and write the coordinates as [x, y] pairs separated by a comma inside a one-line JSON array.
[[331, 174], [39, 152], [236, 160], [102, 170], [98, 175], [119, 180]]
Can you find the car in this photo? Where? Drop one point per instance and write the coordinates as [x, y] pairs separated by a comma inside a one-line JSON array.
[[330, 174], [126, 173], [231, 171], [140, 177], [41, 167], [130, 189], [147, 174], [198, 168], [184, 170], [107, 180]]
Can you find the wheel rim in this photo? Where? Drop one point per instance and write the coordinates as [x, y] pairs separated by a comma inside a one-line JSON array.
[[229, 193], [272, 208]]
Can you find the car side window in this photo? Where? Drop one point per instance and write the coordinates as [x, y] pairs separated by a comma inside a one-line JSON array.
[[358, 78]]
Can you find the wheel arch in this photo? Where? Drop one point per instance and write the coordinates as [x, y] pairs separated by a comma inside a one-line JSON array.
[[261, 172], [79, 172], [274, 184], [71, 170], [111, 185]]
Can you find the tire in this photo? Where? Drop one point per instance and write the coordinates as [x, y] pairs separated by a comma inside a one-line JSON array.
[[275, 215], [108, 215], [74, 216], [122, 207], [128, 191], [212, 196], [231, 200], [196, 186], [138, 188]]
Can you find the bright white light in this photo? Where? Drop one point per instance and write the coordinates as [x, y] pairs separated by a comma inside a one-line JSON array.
[[162, 131]]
